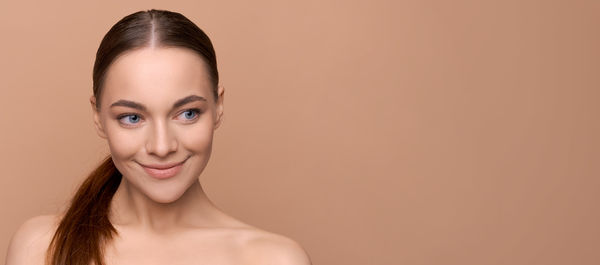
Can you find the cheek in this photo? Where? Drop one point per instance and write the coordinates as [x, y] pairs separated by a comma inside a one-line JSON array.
[[197, 139], [124, 143]]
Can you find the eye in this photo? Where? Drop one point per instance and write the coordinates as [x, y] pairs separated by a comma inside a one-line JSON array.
[[129, 119], [190, 114]]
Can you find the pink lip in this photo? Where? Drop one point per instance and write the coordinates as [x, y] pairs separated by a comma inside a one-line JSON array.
[[163, 171]]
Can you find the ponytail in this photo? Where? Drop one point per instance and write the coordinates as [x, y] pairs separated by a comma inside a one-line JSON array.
[[85, 227]]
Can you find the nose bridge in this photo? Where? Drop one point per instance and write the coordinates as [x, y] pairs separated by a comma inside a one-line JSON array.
[[162, 140]]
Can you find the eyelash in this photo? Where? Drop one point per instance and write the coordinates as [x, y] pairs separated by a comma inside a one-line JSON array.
[[197, 113]]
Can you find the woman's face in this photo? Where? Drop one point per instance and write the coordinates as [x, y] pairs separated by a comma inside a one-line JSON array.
[[158, 115]]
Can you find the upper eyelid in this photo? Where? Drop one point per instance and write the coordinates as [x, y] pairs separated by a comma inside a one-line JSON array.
[[127, 114]]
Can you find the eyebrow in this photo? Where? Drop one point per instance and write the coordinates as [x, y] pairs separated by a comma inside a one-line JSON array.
[[141, 107]]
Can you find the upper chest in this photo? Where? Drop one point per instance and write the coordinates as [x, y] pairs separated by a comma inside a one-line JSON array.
[[206, 248]]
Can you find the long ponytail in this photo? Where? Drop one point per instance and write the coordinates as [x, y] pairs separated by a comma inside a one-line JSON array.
[[85, 225], [85, 228]]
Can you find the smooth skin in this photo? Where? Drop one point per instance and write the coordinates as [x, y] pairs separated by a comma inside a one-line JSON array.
[[163, 221]]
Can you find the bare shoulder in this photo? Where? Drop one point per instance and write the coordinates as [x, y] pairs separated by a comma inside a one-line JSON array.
[[31, 240], [262, 247]]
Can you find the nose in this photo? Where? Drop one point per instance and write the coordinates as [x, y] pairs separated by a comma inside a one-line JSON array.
[[161, 141]]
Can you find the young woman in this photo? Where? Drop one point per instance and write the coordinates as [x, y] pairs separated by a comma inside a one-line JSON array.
[[157, 101]]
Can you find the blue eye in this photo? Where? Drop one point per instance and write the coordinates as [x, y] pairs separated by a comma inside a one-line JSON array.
[[190, 114], [130, 119]]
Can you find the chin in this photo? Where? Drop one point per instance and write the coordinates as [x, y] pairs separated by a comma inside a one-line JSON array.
[[166, 195], [164, 191]]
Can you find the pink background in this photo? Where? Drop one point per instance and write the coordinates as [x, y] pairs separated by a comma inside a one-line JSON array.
[[372, 132]]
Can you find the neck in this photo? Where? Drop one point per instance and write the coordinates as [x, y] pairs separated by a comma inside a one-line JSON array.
[[131, 208]]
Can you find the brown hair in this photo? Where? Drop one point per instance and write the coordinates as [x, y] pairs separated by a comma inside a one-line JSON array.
[[85, 227]]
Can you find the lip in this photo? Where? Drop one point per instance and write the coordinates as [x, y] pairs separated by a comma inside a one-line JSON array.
[[163, 171]]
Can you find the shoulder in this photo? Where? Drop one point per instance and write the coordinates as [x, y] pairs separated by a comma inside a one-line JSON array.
[[31, 240], [264, 247]]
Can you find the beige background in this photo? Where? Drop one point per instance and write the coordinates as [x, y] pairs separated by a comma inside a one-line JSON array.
[[372, 132]]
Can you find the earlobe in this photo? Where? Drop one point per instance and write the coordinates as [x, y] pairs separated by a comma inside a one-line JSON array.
[[219, 118], [96, 117]]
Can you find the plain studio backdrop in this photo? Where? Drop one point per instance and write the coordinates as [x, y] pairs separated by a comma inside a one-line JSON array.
[[372, 132]]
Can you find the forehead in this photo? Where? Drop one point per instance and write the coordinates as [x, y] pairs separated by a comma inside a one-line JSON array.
[[156, 76]]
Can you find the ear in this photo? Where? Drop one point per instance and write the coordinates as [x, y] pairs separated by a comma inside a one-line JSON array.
[[97, 123], [219, 109]]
